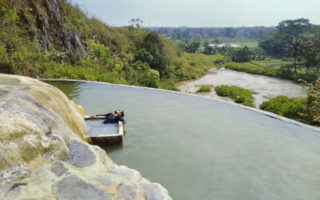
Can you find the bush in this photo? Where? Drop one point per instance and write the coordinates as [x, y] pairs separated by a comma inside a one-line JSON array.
[[220, 59], [312, 105], [168, 84], [204, 88], [285, 106], [240, 95], [143, 55]]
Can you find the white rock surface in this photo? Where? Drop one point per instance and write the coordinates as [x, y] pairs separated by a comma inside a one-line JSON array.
[[43, 153]]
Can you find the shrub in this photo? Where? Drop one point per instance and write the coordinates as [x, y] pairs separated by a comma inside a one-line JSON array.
[[168, 84], [312, 105], [220, 59], [143, 55], [240, 95], [285, 106], [204, 88]]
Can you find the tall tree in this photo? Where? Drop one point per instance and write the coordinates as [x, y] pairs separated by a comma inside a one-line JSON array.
[[294, 28], [281, 42], [296, 47], [153, 44]]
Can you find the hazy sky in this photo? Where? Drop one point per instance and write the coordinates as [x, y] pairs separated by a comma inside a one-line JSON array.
[[201, 13]]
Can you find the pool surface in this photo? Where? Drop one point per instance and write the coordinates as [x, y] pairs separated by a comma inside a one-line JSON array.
[[203, 149]]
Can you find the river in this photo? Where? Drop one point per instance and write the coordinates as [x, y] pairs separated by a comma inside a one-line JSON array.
[[262, 87]]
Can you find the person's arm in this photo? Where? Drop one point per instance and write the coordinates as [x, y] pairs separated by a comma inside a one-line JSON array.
[[122, 120]]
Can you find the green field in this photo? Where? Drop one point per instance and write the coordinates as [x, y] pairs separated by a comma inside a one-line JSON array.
[[241, 42]]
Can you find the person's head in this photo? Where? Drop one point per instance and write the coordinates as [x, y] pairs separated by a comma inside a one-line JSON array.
[[119, 113]]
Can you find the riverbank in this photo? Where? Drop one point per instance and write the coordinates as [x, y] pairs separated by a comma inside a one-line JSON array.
[[262, 87]]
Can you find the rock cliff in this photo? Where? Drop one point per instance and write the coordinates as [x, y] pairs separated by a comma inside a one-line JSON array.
[[43, 153]]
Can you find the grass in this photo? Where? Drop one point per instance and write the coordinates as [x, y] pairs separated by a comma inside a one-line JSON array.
[[253, 68], [249, 43], [285, 106], [274, 68], [204, 88], [238, 94]]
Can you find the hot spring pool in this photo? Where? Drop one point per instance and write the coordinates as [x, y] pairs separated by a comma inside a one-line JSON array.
[[203, 149]]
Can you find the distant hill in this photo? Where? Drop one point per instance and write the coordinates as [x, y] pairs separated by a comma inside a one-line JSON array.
[[249, 33]]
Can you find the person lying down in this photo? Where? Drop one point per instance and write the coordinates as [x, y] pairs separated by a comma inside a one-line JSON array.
[[115, 117]]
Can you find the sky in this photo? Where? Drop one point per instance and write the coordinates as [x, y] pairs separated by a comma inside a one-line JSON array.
[[201, 13]]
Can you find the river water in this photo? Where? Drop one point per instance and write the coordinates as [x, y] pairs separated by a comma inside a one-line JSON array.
[[262, 87], [201, 149]]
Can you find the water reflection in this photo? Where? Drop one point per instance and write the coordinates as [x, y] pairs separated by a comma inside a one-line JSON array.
[[71, 89], [111, 149]]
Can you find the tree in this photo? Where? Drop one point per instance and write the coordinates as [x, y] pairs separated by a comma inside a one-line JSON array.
[[189, 46], [153, 44], [241, 55], [207, 48], [311, 58], [294, 28], [313, 104], [230, 32], [143, 55], [316, 47], [296, 46], [135, 22], [281, 42]]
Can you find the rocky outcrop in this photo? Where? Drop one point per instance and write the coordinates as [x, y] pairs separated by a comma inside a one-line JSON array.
[[43, 153], [50, 26]]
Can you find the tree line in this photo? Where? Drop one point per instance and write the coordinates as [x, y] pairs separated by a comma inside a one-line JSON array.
[[186, 33], [297, 39]]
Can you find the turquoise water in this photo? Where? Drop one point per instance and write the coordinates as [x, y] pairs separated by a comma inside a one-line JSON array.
[[202, 149]]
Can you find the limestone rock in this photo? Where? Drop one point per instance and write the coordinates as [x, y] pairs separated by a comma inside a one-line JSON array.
[[43, 153], [80, 155], [73, 187], [58, 169]]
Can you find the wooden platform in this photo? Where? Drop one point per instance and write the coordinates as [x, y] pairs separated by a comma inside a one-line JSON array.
[[104, 134]]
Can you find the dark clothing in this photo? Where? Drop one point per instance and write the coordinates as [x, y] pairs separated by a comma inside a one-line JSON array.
[[111, 118]]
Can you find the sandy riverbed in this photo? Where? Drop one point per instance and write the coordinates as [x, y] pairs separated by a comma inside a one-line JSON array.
[[263, 87]]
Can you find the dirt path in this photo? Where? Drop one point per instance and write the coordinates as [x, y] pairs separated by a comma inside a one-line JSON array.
[[262, 87]]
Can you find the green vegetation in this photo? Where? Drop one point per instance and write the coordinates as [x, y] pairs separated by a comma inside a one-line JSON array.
[[204, 88], [189, 46], [240, 95], [220, 59], [285, 106], [295, 44], [251, 44], [306, 110], [274, 70], [253, 68], [299, 41], [227, 34], [312, 106], [74, 46]]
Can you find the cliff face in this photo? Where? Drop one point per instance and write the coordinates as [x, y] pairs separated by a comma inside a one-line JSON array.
[[50, 26], [43, 154]]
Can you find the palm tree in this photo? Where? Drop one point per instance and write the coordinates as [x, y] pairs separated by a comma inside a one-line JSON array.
[[296, 46]]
